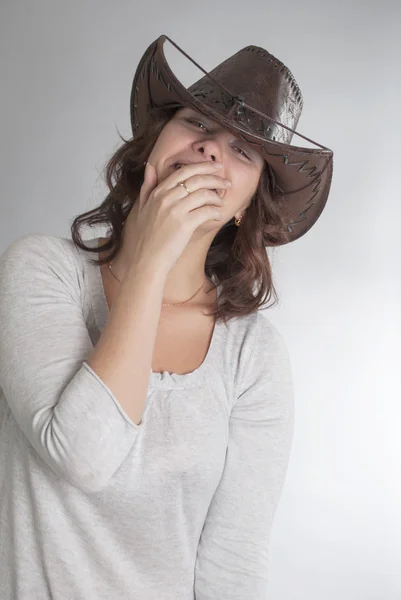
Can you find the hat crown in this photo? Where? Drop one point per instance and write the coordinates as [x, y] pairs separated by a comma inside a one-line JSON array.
[[263, 82]]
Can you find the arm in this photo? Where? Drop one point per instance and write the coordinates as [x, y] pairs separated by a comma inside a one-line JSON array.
[[68, 413], [232, 560]]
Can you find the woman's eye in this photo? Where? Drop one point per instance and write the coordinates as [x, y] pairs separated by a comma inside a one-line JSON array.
[[246, 156], [198, 123]]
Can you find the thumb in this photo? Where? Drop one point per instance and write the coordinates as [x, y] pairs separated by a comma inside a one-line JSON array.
[[149, 183]]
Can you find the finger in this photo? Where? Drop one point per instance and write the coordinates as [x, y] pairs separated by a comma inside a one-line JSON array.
[[186, 171]]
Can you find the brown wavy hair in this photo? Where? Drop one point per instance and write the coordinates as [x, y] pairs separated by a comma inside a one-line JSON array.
[[237, 257]]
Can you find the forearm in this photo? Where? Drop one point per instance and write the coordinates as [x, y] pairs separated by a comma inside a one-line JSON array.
[[122, 358]]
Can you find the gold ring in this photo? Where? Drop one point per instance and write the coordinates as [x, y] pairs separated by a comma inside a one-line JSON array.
[[183, 185]]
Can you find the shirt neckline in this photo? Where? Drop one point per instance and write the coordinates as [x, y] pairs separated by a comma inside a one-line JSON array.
[[164, 379]]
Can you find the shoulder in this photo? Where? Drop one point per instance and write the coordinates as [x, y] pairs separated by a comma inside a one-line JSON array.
[[268, 338], [266, 354], [35, 245], [35, 258], [258, 336]]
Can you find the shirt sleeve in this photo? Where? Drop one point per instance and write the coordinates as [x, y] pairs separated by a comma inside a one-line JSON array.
[[232, 558], [65, 410]]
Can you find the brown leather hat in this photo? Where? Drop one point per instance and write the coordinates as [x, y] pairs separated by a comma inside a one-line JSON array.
[[255, 96]]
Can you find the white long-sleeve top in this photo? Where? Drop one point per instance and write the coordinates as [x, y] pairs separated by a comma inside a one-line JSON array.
[[94, 506]]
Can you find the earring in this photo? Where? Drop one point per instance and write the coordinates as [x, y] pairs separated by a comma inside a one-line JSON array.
[[238, 221]]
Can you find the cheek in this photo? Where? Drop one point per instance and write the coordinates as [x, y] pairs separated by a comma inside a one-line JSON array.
[[244, 185], [162, 141], [169, 143], [163, 150]]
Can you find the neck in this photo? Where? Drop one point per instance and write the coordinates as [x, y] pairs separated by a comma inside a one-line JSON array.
[[182, 281]]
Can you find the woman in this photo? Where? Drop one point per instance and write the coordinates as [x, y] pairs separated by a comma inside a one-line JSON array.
[[146, 407]]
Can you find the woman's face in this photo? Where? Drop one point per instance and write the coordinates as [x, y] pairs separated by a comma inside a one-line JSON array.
[[190, 136]]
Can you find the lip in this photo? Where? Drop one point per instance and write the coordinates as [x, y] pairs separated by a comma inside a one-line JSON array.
[[187, 162], [182, 162]]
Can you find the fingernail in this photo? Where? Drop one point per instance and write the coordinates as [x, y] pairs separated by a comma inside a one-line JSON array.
[[217, 165]]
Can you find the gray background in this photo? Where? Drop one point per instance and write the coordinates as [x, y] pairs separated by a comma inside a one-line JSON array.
[[66, 73]]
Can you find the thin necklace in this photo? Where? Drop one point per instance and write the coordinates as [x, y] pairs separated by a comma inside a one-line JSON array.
[[165, 303]]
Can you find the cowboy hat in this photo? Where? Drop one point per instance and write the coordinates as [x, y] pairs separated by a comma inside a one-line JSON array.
[[254, 95]]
